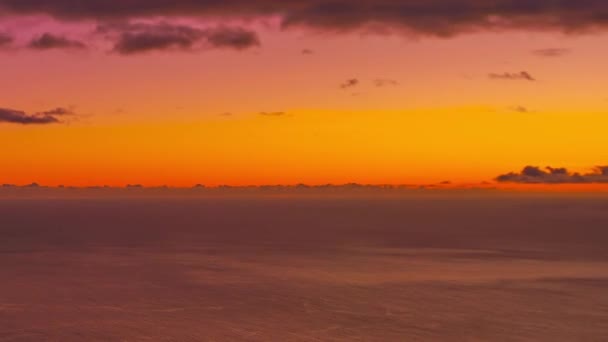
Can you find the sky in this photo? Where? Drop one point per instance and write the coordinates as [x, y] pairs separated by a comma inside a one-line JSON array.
[[182, 92]]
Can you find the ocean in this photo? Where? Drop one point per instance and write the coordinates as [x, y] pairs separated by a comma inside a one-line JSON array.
[[453, 268]]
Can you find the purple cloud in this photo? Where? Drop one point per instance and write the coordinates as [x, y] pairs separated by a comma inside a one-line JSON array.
[[13, 116], [551, 175], [49, 41], [140, 38], [443, 18]]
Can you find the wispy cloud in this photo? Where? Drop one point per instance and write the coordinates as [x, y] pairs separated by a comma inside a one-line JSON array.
[[516, 76], [520, 109], [273, 114], [350, 83], [385, 82], [552, 52], [59, 111]]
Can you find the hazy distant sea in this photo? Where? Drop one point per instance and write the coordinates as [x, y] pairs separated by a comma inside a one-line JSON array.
[[451, 269]]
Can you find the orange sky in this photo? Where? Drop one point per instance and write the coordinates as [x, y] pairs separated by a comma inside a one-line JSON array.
[[155, 118]]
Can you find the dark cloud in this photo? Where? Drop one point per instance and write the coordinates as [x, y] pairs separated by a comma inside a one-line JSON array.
[[5, 39], [41, 118], [275, 114], [553, 52], [144, 38], [442, 18], [550, 175], [140, 38], [353, 82], [522, 75], [49, 41], [384, 82], [20, 117], [307, 52], [232, 37]]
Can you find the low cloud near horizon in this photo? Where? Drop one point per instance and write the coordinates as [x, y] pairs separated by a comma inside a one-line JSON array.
[[552, 175], [519, 109], [275, 114]]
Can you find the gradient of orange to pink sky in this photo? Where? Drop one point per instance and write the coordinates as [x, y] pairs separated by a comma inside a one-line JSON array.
[[264, 94]]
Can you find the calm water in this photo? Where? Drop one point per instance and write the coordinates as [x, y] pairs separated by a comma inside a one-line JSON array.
[[455, 269]]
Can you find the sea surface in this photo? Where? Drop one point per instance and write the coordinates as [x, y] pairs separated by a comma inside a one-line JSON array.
[[289, 269]]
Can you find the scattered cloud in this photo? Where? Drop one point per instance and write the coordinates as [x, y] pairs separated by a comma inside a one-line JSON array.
[[520, 109], [551, 175], [385, 82], [353, 82], [236, 38], [49, 41], [40, 118], [141, 38], [145, 38], [516, 76], [552, 52]]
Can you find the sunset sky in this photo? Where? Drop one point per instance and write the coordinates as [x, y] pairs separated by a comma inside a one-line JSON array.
[[241, 92]]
